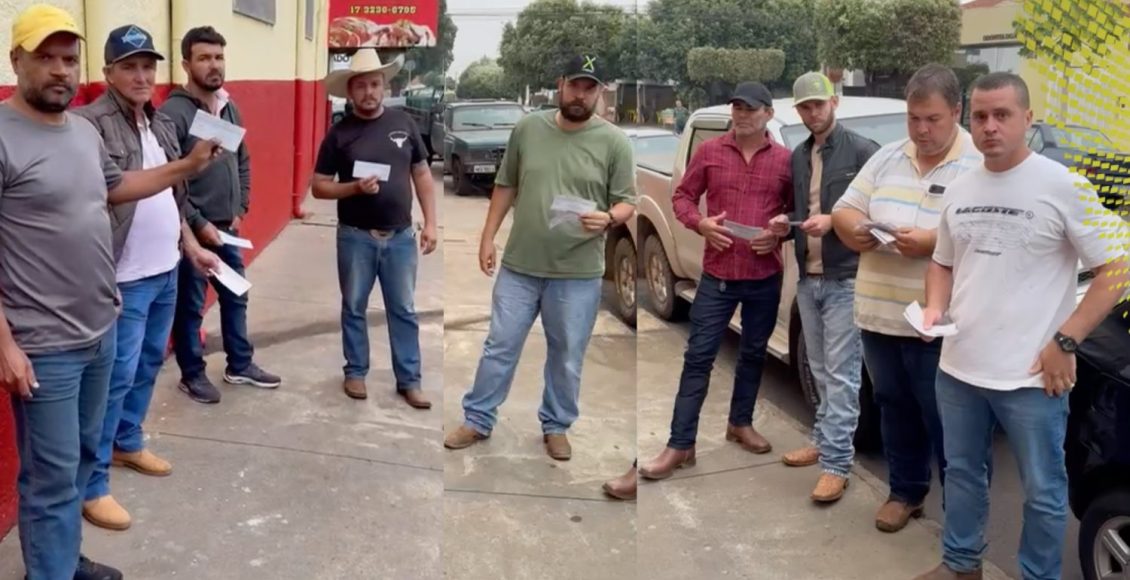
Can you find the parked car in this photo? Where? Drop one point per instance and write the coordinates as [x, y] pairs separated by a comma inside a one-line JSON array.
[[474, 136], [654, 149], [672, 254], [425, 106], [1072, 144], [1098, 448]]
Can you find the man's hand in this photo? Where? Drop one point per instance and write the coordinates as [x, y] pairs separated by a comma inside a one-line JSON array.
[[487, 254], [817, 226], [779, 225], [914, 242], [203, 152], [428, 239], [596, 221], [717, 235], [1058, 368], [930, 316], [863, 237], [370, 185], [17, 376], [235, 223], [764, 242], [209, 236], [204, 261]]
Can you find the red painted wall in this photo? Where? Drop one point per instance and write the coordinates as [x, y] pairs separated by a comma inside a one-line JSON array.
[[285, 122]]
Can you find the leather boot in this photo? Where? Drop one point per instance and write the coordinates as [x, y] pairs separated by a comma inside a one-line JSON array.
[[461, 437], [894, 515], [667, 462], [623, 487], [943, 572], [106, 512], [355, 388], [748, 438], [416, 399]]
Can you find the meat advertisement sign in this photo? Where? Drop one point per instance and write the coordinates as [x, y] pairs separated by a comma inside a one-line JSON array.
[[383, 23]]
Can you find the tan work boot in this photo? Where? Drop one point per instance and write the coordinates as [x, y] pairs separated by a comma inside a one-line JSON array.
[[943, 572], [667, 462], [748, 438], [462, 437], [557, 446], [802, 457], [894, 515], [829, 488], [355, 388], [143, 461], [623, 487], [105, 512], [416, 399]]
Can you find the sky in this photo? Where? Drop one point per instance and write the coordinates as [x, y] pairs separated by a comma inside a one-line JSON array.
[[480, 27]]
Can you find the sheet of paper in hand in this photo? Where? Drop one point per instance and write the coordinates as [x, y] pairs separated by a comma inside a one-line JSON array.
[[566, 209], [206, 126], [232, 280], [238, 242], [914, 315], [884, 232], [742, 231], [363, 169]]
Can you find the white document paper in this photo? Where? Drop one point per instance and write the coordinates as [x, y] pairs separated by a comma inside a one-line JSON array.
[[915, 317], [232, 280], [566, 209], [235, 241], [883, 237], [363, 169], [742, 231], [207, 126]]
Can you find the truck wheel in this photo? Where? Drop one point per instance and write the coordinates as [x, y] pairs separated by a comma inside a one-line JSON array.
[[460, 179], [661, 281], [1104, 533], [624, 276]]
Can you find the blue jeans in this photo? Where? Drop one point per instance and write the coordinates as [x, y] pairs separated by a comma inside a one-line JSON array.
[[1036, 425], [190, 316], [57, 435], [143, 327], [903, 370], [568, 308], [713, 307], [835, 354], [362, 259]]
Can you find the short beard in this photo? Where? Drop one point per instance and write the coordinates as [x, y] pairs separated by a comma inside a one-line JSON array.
[[576, 118], [203, 83], [36, 101]]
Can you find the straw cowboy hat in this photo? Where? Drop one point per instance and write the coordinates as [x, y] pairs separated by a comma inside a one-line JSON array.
[[363, 62]]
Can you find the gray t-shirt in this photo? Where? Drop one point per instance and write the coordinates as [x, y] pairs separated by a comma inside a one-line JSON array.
[[56, 262]]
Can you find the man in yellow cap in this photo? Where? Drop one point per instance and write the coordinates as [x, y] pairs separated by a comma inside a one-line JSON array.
[[58, 297]]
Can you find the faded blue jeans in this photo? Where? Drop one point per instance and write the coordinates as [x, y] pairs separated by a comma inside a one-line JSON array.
[[57, 435], [1036, 425], [835, 355], [148, 307], [568, 308], [364, 258]]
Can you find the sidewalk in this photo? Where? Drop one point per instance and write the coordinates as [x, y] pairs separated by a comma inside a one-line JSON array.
[[301, 482], [737, 515]]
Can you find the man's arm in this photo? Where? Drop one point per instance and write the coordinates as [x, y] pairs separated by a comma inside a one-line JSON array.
[[1106, 290], [622, 194], [425, 191], [501, 199], [1096, 237], [244, 177], [124, 187], [853, 208], [324, 187], [690, 190]]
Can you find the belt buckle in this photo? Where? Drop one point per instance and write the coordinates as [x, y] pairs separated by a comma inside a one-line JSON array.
[[382, 234]]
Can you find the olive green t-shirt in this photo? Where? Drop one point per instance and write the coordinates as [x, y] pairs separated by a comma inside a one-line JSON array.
[[542, 162]]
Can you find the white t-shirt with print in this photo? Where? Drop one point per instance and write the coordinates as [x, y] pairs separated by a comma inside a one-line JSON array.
[[1014, 240]]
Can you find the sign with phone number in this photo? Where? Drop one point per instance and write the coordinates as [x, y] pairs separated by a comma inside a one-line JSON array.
[[383, 23], [370, 10]]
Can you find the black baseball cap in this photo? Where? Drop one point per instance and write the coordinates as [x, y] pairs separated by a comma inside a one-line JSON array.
[[753, 94], [584, 66], [127, 41]]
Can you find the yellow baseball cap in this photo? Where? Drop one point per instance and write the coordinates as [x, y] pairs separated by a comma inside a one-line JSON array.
[[39, 21]]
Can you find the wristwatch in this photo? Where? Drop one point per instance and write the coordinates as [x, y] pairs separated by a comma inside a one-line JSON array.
[[611, 221], [1066, 343]]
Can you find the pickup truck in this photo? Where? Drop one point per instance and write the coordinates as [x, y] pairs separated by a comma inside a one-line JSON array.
[[474, 135], [425, 106], [671, 260]]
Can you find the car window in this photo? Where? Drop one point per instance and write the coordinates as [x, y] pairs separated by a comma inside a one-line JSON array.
[[656, 152], [1080, 138], [1037, 142], [483, 118], [700, 136], [882, 129]]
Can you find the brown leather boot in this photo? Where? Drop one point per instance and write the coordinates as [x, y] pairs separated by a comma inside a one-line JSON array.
[[667, 462], [462, 437], [557, 446], [105, 512], [748, 438], [802, 457], [943, 572], [416, 399], [355, 388], [623, 487], [894, 515], [144, 462], [829, 488]]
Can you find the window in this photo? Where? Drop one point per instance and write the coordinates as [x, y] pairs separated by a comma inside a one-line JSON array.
[[1076, 137], [1037, 142], [997, 58], [881, 129], [262, 10], [310, 6], [656, 152], [483, 118]]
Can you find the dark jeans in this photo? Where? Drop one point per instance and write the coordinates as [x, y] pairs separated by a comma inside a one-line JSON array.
[[190, 316], [903, 372], [711, 312]]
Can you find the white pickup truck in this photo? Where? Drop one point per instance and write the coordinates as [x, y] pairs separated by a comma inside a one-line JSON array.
[[671, 255]]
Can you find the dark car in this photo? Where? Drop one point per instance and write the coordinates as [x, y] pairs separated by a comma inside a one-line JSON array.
[[1072, 146], [475, 134], [1097, 447]]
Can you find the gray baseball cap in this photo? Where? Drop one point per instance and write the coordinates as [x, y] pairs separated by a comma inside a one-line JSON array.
[[812, 86]]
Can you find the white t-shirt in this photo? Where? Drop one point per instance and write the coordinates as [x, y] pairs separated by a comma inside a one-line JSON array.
[[1014, 240], [151, 247]]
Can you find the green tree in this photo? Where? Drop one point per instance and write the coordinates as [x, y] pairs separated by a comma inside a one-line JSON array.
[[1084, 32], [483, 79], [430, 59]]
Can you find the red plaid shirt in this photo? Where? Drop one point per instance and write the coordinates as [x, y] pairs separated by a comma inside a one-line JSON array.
[[750, 193]]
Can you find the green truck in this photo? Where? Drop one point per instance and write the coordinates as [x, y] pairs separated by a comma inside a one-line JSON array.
[[425, 105], [474, 135]]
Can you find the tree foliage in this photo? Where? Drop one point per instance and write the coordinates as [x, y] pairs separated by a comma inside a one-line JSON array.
[[887, 36], [734, 65], [437, 58], [483, 79], [1083, 33]]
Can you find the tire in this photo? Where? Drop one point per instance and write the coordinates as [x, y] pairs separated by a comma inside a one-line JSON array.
[[624, 276], [459, 178], [1109, 513], [867, 432], [661, 281]]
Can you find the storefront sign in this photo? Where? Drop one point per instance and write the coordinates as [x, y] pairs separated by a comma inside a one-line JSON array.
[[383, 23], [999, 37]]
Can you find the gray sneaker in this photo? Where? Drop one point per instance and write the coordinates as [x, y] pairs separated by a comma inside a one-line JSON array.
[[200, 389], [252, 375]]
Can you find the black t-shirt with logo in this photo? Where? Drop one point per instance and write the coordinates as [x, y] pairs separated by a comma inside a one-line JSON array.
[[391, 139]]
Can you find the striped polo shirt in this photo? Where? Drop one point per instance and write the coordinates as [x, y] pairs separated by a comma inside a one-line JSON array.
[[891, 189]]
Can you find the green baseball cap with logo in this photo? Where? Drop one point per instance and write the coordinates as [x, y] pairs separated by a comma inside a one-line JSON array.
[[812, 86]]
